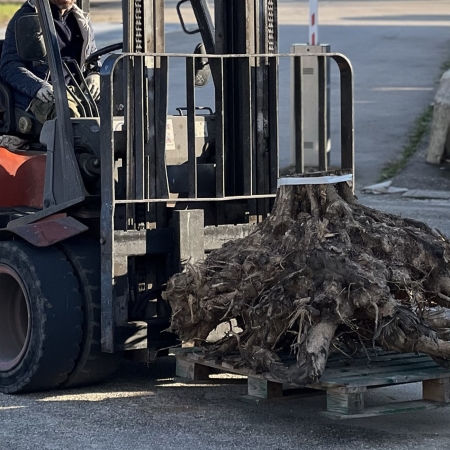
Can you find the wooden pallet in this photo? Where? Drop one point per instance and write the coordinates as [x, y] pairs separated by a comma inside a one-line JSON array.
[[345, 385]]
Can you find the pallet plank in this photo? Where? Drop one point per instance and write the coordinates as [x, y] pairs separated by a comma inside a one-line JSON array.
[[373, 365], [386, 370], [389, 379], [383, 410], [374, 358]]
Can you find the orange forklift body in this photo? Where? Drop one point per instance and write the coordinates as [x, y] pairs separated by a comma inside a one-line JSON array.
[[21, 178]]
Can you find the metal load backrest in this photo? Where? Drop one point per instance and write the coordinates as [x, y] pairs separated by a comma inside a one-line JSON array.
[[244, 171]]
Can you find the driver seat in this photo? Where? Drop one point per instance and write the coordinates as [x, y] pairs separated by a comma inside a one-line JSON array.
[[15, 121]]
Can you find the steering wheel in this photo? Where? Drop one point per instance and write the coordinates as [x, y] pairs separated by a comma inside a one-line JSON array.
[[104, 51]]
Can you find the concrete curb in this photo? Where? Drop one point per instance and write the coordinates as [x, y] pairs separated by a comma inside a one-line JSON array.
[[427, 194]]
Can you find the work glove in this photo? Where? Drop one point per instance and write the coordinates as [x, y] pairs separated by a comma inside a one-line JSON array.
[[45, 93], [93, 84]]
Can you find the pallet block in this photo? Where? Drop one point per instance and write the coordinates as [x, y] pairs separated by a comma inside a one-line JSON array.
[[436, 390], [345, 386], [344, 400], [258, 387], [192, 370]]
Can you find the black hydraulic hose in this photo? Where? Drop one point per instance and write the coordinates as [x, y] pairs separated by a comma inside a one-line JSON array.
[[80, 91], [91, 100]]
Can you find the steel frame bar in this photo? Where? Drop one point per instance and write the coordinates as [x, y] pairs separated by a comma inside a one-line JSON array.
[[140, 126], [190, 111], [220, 138], [273, 124], [108, 206], [160, 116], [298, 116], [245, 105], [322, 118]]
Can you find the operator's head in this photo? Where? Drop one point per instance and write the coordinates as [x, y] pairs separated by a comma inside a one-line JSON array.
[[63, 4]]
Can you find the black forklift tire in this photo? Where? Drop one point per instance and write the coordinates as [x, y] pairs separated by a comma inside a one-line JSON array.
[[40, 318], [92, 365]]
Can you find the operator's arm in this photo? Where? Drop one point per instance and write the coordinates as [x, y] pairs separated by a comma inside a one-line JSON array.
[[94, 66], [13, 69]]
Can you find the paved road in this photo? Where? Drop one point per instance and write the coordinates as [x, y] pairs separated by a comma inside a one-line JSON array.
[[396, 48], [144, 409]]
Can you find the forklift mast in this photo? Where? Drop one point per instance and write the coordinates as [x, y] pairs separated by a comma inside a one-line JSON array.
[[185, 184]]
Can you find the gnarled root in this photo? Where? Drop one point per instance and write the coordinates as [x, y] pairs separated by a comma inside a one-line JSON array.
[[322, 272]]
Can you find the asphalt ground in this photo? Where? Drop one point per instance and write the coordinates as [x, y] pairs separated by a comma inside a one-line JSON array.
[[144, 408]]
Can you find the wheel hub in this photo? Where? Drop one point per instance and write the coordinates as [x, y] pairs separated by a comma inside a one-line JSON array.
[[15, 319]]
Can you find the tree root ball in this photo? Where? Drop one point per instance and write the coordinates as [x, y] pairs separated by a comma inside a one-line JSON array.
[[322, 273]]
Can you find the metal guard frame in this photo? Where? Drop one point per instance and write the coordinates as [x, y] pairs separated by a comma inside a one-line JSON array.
[[347, 109], [156, 161]]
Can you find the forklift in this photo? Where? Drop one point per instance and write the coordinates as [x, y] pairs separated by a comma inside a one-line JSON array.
[[102, 210]]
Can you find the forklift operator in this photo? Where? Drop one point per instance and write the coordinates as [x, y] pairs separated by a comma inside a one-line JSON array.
[[30, 82]]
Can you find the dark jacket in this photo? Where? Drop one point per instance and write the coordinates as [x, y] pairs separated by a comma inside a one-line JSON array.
[[26, 78]]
